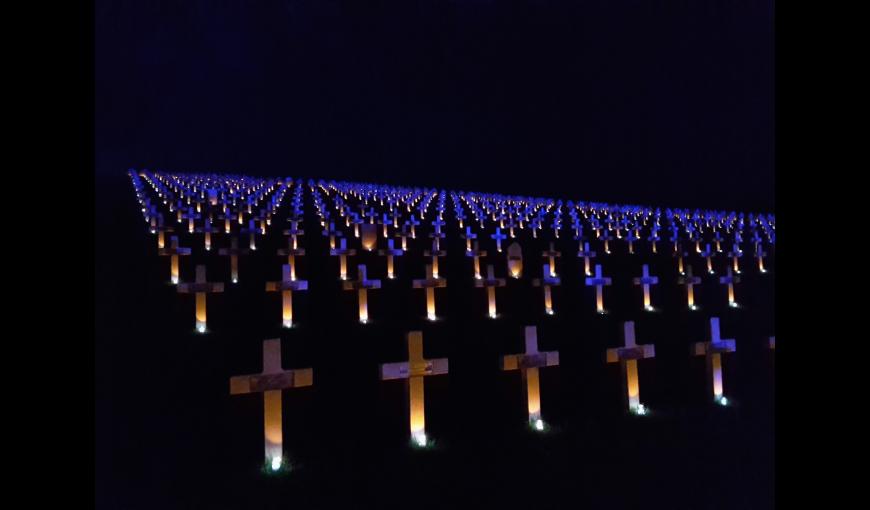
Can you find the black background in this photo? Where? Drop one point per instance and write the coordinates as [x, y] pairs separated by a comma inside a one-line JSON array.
[[615, 101]]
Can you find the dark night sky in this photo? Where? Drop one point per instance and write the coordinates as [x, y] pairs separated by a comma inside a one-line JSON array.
[[664, 103]]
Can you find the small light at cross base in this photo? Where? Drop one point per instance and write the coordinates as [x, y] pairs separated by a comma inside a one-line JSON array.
[[539, 424], [276, 463]]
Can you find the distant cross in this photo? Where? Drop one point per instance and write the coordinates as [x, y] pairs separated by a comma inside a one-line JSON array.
[[627, 356], [200, 288], [708, 254], [233, 252], [361, 285], [161, 229], [332, 233], [654, 238], [207, 229], [760, 254], [414, 370], [173, 252], [403, 233], [270, 382], [468, 236], [586, 254], [547, 281], [434, 253], [490, 283], [412, 222], [498, 236], [552, 253], [430, 283], [528, 365], [342, 252], [606, 237], [717, 237], [286, 287], [729, 279], [476, 254], [689, 280], [598, 281], [437, 235], [191, 216], [735, 254], [390, 252], [293, 232], [251, 230], [646, 280], [713, 351]]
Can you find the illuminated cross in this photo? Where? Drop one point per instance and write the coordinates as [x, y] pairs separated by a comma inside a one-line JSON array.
[[713, 351], [730, 280], [646, 280], [717, 237], [390, 252], [468, 236], [437, 235], [207, 229], [586, 254], [498, 236], [476, 254], [689, 280], [606, 237], [735, 253], [631, 238], [654, 238], [412, 222], [552, 253], [200, 287], [760, 254], [491, 282], [435, 253], [403, 234], [343, 252], [270, 382], [430, 283], [286, 286], [679, 254], [528, 365], [332, 233], [547, 281], [173, 251], [190, 217], [414, 370], [251, 230], [627, 356], [291, 252], [161, 229], [233, 252], [708, 253], [294, 232], [361, 285], [599, 281]]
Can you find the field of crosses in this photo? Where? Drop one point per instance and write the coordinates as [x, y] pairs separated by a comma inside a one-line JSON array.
[[229, 216]]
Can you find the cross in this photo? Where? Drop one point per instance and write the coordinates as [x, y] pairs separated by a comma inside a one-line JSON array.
[[286, 286], [708, 253], [713, 351], [161, 229], [546, 281], [646, 280], [730, 280], [498, 236], [468, 236], [390, 252], [528, 365], [357, 221], [552, 253], [760, 254], [251, 230], [291, 252], [627, 356], [476, 254], [403, 234], [654, 237], [491, 282], [735, 253], [343, 252], [586, 254], [414, 370], [515, 260], [430, 283], [434, 253], [361, 285], [200, 287], [294, 231], [412, 222], [384, 221], [689, 280], [599, 281], [332, 233], [207, 229], [233, 251], [174, 251], [717, 237], [270, 382], [606, 237]]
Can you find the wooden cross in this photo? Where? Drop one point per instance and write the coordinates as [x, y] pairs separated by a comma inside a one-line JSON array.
[[332, 232], [528, 365], [200, 287], [646, 280], [434, 253], [708, 253], [552, 253], [586, 254], [430, 283], [233, 252], [730, 280], [491, 282], [390, 252], [475, 254], [627, 356], [286, 286], [547, 281], [414, 370], [713, 351], [161, 229], [599, 281], [689, 280], [468, 236], [361, 285], [498, 236], [270, 382], [735, 253], [343, 252], [173, 252]]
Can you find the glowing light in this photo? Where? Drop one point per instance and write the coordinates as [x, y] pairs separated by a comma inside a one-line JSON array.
[[640, 410], [276, 463], [539, 424], [420, 438], [200, 328], [235, 280], [723, 401]]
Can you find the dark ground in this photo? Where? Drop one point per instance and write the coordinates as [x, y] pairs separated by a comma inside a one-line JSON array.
[[170, 436]]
